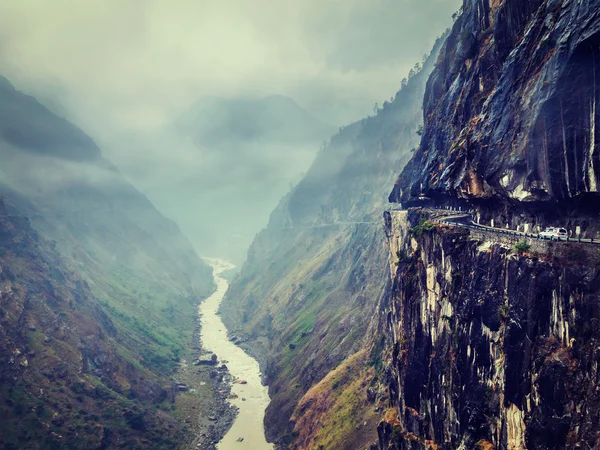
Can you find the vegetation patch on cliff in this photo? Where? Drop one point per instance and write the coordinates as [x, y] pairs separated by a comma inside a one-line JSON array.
[[335, 413]]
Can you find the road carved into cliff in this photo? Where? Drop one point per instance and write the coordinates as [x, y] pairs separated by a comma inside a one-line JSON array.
[[464, 220], [333, 224]]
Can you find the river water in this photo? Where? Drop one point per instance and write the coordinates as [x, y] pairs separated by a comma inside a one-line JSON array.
[[248, 424]]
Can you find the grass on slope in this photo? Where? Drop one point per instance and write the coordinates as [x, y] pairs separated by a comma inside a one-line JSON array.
[[335, 413]]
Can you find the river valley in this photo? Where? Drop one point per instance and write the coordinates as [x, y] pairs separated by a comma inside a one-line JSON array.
[[250, 396]]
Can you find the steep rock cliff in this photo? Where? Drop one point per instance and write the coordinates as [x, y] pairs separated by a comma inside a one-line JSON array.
[[488, 348], [511, 114]]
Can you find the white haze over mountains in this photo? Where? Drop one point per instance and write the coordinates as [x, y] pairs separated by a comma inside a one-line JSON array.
[[127, 72]]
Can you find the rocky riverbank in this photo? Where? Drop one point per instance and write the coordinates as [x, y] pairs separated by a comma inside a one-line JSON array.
[[200, 394], [202, 401]]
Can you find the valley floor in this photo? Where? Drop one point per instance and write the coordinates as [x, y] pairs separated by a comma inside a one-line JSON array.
[[237, 412]]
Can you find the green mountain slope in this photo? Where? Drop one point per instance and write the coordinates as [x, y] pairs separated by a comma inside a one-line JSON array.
[[306, 295], [101, 288]]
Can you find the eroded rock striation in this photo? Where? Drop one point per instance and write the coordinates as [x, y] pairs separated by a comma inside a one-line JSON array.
[[489, 345], [511, 114], [487, 348]]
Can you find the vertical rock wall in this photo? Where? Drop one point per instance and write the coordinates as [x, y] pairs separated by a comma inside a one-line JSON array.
[[511, 108], [486, 348]]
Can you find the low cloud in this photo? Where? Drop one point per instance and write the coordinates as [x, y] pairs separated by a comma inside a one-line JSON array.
[[125, 70], [135, 64]]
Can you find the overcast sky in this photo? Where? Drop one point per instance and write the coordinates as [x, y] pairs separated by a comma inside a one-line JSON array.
[[136, 63], [123, 70]]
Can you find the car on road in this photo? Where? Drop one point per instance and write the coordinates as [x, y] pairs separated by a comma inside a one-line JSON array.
[[554, 233]]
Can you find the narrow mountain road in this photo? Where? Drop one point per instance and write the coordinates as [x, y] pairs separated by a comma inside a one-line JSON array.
[[464, 220], [458, 219], [333, 224]]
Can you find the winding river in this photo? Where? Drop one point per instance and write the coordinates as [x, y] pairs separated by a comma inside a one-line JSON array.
[[247, 431]]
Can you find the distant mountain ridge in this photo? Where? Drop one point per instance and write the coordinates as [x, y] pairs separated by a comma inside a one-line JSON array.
[[215, 121], [27, 124]]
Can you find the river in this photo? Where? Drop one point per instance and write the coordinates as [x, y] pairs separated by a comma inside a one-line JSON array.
[[248, 424]]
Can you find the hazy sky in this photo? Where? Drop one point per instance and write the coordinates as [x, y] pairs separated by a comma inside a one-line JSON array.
[[124, 69], [136, 63]]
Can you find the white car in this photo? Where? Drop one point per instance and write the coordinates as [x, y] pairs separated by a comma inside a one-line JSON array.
[[554, 233]]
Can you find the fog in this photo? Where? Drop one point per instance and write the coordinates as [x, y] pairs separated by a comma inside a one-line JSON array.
[[167, 89]]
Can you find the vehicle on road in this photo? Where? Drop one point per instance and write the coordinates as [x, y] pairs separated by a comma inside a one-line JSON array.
[[554, 233]]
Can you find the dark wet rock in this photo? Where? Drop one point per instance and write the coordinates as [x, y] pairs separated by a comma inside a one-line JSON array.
[[512, 119], [489, 349], [490, 340]]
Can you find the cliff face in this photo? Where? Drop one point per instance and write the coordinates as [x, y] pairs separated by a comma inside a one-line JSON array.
[[487, 348], [310, 286], [511, 112]]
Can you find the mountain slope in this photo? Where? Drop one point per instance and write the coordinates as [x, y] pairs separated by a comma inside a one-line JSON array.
[[109, 286], [313, 279], [61, 373], [28, 125]]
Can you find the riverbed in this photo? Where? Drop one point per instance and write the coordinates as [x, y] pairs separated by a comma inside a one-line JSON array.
[[247, 431]]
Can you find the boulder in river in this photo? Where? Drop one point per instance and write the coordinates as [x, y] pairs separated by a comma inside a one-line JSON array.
[[208, 360]]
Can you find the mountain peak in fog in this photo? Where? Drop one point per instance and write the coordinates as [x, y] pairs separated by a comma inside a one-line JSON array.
[[216, 121], [29, 126]]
